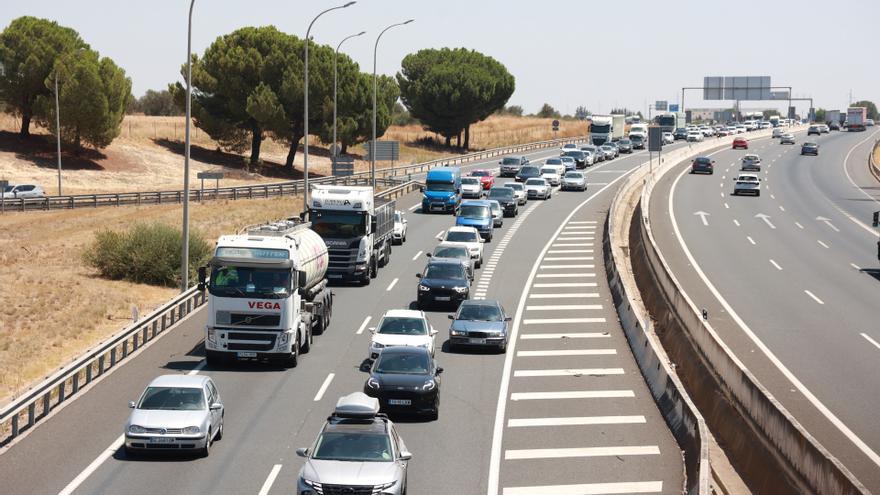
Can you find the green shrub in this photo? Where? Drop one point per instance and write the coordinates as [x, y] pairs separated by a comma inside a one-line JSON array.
[[146, 253]]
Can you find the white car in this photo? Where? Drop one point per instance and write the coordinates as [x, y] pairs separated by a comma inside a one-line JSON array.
[[568, 147], [741, 129], [402, 327], [398, 235], [551, 174], [519, 192], [23, 191], [471, 188], [538, 187], [668, 138], [747, 184], [778, 132], [731, 130], [468, 237], [695, 136]]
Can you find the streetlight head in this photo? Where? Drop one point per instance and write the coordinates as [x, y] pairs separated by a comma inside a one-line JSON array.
[[349, 4], [409, 21], [361, 33]]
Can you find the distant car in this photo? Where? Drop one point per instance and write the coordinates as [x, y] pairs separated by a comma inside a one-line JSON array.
[[579, 158], [398, 235], [497, 213], [703, 164], [751, 163], [471, 187], [778, 132], [575, 181], [814, 129], [566, 162], [443, 282], [467, 237], [355, 439], [528, 172], [668, 138], [506, 198], [454, 251], [731, 130], [23, 191], [610, 151], [538, 188], [741, 129], [402, 327], [740, 143], [404, 380], [787, 138], [176, 412], [519, 192], [834, 126], [869, 122], [598, 155], [747, 184], [680, 133], [568, 146], [638, 141], [481, 323], [487, 179], [824, 128], [695, 136], [614, 145], [625, 146], [551, 175], [510, 165], [810, 149]]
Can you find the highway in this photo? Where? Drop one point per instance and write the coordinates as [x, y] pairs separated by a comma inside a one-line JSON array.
[[564, 409], [790, 279]]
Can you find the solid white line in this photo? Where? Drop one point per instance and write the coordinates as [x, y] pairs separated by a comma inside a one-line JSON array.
[[573, 222], [563, 307], [565, 275], [869, 339], [570, 258], [576, 335], [324, 387], [588, 488], [572, 295], [822, 244], [439, 234], [414, 257], [580, 452], [568, 372], [776, 265], [270, 480], [566, 284], [579, 238], [390, 286], [414, 207], [557, 321], [576, 421], [799, 225], [565, 267], [813, 296], [574, 394], [567, 352], [575, 244], [751, 240], [363, 325]]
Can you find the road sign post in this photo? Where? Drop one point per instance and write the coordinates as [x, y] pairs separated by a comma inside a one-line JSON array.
[[209, 175], [343, 166]]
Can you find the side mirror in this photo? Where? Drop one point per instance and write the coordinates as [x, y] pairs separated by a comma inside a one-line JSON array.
[[405, 456], [131, 404], [404, 221], [713, 161], [429, 254], [216, 406], [433, 332], [418, 275], [302, 452], [439, 370], [507, 318], [451, 317], [203, 274]]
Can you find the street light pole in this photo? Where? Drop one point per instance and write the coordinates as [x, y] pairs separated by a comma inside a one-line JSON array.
[[375, 89], [335, 55], [306, 106], [58, 131], [184, 255]]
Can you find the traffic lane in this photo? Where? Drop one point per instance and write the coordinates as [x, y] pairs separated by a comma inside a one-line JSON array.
[[769, 375]]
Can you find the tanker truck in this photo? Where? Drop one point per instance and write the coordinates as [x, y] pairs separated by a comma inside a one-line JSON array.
[[267, 294]]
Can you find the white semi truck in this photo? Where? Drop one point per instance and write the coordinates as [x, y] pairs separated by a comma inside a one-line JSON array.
[[357, 228], [267, 294], [606, 128]]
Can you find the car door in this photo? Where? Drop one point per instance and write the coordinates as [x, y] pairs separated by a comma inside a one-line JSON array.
[[213, 397], [399, 448]]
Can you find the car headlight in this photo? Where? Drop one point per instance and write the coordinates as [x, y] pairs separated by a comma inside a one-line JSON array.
[[136, 429], [373, 383], [461, 290], [428, 386], [192, 430], [314, 485], [384, 486], [422, 288], [457, 333]]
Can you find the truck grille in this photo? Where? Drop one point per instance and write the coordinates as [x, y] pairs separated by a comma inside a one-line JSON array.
[[341, 258], [258, 341], [255, 320], [347, 490]]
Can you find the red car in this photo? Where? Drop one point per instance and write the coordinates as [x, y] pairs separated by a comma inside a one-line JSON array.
[[740, 143], [487, 179]]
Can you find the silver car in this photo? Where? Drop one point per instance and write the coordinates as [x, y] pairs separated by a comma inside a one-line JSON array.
[[519, 191], [575, 181], [22, 191], [175, 412], [454, 251], [538, 188], [357, 451], [497, 213]]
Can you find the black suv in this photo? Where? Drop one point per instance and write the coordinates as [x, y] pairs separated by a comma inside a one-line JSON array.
[[528, 172]]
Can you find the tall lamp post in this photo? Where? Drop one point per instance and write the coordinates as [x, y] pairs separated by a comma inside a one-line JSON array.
[[375, 89], [335, 55], [58, 126], [184, 255], [306, 106]]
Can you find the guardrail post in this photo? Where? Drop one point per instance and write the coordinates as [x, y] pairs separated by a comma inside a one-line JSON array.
[[112, 357], [47, 402], [134, 341], [61, 395], [46, 202], [15, 425], [95, 200], [138, 199], [179, 197], [89, 373], [100, 365], [70, 201], [125, 347], [155, 328], [75, 383], [266, 190], [234, 194], [117, 200], [32, 413]]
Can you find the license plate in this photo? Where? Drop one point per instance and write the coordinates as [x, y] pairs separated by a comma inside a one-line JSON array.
[[477, 341], [334, 275], [161, 440], [246, 354], [399, 402], [443, 298]]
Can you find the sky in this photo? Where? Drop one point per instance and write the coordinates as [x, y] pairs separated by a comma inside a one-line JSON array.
[[567, 53]]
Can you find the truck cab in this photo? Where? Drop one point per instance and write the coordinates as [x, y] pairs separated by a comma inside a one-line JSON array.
[[601, 129], [442, 191]]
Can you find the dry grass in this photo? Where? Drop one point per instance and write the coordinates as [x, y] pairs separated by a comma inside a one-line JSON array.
[[53, 307]]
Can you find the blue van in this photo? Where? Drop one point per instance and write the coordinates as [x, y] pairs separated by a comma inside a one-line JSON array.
[[442, 190], [476, 214]]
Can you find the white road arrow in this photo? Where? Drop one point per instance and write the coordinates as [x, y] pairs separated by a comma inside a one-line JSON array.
[[703, 215], [828, 223], [766, 219]]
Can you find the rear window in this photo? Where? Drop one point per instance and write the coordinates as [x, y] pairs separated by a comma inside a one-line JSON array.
[[703, 160], [501, 192]]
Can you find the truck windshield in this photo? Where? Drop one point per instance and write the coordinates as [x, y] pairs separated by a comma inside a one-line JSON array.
[[337, 225], [600, 128], [237, 281], [441, 186]]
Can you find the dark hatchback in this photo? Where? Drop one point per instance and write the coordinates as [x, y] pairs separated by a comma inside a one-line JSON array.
[[405, 379], [527, 172], [703, 164], [480, 323], [680, 133], [625, 146], [504, 196], [638, 141], [443, 282], [810, 149]]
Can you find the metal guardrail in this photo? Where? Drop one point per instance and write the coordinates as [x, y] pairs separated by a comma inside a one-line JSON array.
[[268, 190], [36, 404]]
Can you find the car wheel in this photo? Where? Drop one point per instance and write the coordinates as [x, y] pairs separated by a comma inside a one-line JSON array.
[[503, 348], [214, 358], [374, 267], [206, 450], [403, 239], [220, 430], [479, 262]]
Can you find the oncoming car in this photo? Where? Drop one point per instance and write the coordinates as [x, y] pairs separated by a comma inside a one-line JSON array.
[[810, 149]]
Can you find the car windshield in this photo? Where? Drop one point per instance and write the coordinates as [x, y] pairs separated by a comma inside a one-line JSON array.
[[510, 161], [636, 138], [456, 236], [441, 186], [173, 399], [516, 186], [703, 160], [479, 312], [495, 207], [624, 142], [536, 182], [529, 171], [470, 181], [398, 217], [7, 189], [354, 447], [589, 148], [237, 281], [407, 364], [401, 325], [554, 161], [451, 252], [473, 211], [574, 175], [445, 270], [501, 193], [564, 159], [338, 224]]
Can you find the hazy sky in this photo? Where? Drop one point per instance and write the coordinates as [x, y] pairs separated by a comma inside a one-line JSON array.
[[564, 52]]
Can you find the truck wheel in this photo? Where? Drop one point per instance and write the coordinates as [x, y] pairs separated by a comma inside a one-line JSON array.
[[307, 345], [293, 359], [366, 279]]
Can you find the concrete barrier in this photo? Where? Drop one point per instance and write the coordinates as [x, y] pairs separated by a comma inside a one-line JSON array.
[[873, 166]]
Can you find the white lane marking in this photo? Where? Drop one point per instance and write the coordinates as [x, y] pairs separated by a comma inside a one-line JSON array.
[[840, 425], [564, 267], [390, 286], [736, 222], [869, 339], [570, 295], [726, 205], [822, 244], [573, 222], [439, 234], [827, 222], [857, 267], [567, 352], [568, 372], [565, 275], [581, 238], [588, 488], [766, 219], [563, 307], [324, 386], [270, 480], [576, 421], [775, 264], [414, 257], [573, 335], [570, 258], [363, 325], [565, 284], [781, 208], [751, 240], [581, 452], [569, 251], [772, 196], [574, 244], [799, 225], [411, 208], [559, 321], [813, 296]]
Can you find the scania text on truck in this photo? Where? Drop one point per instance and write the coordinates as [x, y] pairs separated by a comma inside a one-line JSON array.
[[855, 118], [442, 191], [356, 226], [267, 294]]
